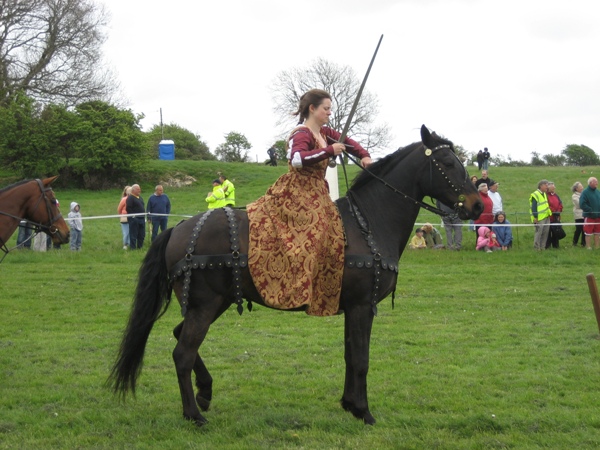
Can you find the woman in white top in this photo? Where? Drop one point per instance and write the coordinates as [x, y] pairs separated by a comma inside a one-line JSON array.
[[577, 214]]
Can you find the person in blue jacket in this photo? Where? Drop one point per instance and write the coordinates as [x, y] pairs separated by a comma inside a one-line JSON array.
[[158, 209], [503, 231]]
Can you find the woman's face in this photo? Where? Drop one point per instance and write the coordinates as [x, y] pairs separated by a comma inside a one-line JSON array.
[[500, 218], [322, 112], [474, 179], [579, 188]]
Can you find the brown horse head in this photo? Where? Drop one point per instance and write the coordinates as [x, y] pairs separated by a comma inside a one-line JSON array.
[[57, 228], [35, 202]]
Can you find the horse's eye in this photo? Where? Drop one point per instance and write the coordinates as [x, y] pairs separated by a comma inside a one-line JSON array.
[[447, 162], [53, 201]]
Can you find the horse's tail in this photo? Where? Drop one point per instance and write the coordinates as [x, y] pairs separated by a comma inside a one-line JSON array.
[[152, 294]]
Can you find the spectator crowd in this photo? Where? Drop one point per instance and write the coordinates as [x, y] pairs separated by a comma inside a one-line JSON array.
[[493, 229]]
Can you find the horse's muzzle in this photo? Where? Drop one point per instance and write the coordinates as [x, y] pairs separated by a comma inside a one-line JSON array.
[[59, 237], [471, 208]]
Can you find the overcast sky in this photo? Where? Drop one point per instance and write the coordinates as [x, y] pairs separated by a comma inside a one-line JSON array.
[[515, 76]]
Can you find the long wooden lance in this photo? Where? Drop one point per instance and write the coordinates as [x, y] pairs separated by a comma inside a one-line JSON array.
[[332, 162]]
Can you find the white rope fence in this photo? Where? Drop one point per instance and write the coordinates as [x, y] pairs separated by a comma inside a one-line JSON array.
[[511, 225], [118, 216], [187, 216]]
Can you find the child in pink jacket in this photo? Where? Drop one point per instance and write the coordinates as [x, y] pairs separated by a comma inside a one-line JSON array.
[[487, 240]]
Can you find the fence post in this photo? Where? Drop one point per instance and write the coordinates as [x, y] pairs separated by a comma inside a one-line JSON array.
[[516, 222], [595, 297]]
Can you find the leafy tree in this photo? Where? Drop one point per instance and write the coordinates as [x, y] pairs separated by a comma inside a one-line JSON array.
[[499, 161], [554, 160], [580, 155], [97, 142], [472, 158], [18, 126], [36, 143], [56, 138], [109, 142], [187, 144], [536, 160], [51, 49], [234, 149], [461, 153], [281, 150], [58, 126], [343, 85]]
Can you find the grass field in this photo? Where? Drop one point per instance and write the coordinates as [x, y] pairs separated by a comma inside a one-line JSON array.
[[480, 351]]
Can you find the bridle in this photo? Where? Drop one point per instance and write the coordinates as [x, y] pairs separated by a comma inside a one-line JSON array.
[[433, 162], [38, 227]]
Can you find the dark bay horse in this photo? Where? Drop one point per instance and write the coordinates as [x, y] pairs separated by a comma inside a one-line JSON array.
[[33, 201], [378, 214]]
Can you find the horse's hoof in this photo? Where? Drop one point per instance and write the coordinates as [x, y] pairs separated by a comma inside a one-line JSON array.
[[198, 421], [366, 416], [369, 419], [202, 403]]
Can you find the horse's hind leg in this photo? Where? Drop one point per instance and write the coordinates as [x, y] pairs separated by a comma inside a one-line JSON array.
[[358, 321], [203, 379], [192, 333]]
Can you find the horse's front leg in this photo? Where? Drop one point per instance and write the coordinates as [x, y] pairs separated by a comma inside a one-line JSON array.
[[358, 322], [204, 380]]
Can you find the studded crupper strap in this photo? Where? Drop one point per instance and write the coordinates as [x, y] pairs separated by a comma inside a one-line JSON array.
[[234, 260]]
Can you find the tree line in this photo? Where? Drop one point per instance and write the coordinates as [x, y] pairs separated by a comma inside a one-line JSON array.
[[94, 144], [570, 155]]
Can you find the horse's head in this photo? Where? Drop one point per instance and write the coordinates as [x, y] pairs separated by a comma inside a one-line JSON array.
[[446, 178], [42, 208]]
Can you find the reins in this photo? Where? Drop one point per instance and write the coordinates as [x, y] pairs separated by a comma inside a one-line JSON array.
[[428, 152]]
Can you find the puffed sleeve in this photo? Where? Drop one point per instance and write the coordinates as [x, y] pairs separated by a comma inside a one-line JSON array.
[[303, 151]]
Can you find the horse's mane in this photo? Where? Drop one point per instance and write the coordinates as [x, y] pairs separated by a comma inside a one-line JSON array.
[[385, 164], [14, 185]]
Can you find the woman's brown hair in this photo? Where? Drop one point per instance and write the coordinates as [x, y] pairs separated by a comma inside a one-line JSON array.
[[313, 97]]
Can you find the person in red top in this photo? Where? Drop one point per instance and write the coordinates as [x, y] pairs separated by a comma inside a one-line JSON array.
[[556, 207], [296, 233], [486, 217]]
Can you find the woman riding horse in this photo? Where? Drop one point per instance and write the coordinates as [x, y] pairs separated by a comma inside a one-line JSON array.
[[296, 233], [204, 260]]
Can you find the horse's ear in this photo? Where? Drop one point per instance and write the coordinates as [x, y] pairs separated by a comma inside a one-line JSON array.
[[49, 181], [425, 136]]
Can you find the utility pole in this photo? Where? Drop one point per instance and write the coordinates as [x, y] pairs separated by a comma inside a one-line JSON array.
[[162, 131]]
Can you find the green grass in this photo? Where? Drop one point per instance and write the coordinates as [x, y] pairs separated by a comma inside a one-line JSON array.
[[480, 351]]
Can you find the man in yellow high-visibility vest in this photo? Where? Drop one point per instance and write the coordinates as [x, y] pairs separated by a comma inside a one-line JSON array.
[[216, 197], [540, 215], [229, 190]]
